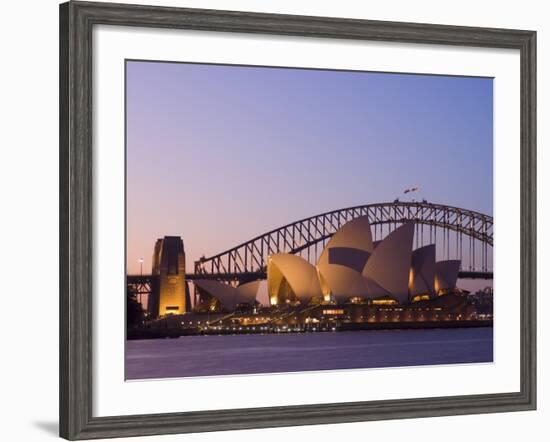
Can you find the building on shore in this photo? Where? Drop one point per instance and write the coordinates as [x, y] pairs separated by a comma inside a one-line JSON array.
[[450, 310], [169, 294], [353, 267], [356, 280]]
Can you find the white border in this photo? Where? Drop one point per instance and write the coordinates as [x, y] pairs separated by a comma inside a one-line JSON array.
[[113, 396]]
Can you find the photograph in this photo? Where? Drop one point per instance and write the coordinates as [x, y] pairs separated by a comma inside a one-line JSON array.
[[274, 221], [285, 219]]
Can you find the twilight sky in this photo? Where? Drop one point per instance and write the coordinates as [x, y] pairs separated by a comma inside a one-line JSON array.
[[220, 154]]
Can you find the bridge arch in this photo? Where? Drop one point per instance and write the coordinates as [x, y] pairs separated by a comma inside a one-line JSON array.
[[463, 234]]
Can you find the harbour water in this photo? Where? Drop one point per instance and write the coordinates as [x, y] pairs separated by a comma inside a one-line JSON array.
[[290, 352]]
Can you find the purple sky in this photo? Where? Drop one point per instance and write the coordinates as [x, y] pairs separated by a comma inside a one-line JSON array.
[[220, 154]]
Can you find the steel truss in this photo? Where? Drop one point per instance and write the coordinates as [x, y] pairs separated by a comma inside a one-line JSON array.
[[460, 231]]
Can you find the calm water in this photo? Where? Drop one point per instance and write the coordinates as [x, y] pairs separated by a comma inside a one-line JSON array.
[[245, 354]]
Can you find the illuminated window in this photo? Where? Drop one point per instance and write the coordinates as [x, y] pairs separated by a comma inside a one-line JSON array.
[[420, 298], [384, 301], [357, 299]]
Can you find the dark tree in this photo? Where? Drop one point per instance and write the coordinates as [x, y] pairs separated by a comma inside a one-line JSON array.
[[134, 312]]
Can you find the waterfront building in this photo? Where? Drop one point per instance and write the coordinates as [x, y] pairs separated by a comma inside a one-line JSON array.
[[169, 294], [353, 268], [216, 296], [355, 281]]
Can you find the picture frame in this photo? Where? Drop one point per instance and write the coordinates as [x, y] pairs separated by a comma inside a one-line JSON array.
[[77, 20]]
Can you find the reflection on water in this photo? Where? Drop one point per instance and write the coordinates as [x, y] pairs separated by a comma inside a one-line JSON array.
[[246, 354]]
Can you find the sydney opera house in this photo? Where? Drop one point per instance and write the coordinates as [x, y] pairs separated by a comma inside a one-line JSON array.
[[351, 269], [355, 280]]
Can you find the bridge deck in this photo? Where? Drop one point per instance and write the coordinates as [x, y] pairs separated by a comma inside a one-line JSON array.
[[144, 279]]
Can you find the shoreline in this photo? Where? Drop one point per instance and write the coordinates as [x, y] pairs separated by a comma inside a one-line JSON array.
[[174, 333]]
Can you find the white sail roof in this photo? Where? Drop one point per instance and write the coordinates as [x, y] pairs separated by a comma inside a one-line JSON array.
[[422, 273], [355, 234], [300, 275], [229, 296], [343, 282], [446, 274], [224, 293], [387, 270], [247, 292]]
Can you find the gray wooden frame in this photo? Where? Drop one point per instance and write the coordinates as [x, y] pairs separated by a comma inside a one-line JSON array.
[[76, 22]]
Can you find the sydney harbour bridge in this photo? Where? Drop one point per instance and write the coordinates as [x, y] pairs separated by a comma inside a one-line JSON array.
[[459, 233]]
